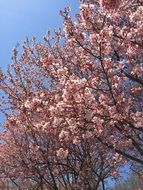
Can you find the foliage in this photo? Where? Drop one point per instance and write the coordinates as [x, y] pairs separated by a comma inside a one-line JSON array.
[[73, 103]]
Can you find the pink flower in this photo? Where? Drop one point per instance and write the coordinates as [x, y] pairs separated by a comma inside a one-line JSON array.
[[64, 135], [61, 153], [30, 104], [110, 4], [76, 140]]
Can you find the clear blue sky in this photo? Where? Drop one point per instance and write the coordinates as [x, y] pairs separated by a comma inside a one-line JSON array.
[[21, 18]]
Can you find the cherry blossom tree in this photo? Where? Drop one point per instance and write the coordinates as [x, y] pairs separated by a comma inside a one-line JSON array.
[[73, 104]]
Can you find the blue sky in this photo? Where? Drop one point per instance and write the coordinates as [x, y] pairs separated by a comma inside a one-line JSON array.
[[21, 18], [26, 18]]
